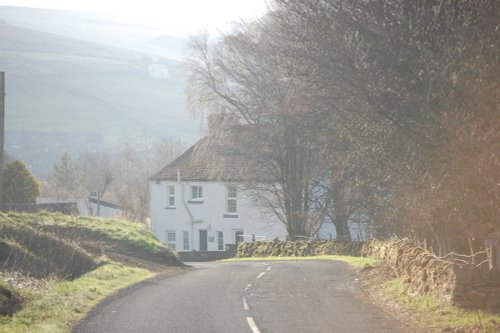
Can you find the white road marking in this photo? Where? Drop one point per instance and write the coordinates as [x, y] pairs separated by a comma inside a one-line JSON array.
[[260, 275], [265, 263], [268, 268], [245, 304], [252, 325], [248, 286]]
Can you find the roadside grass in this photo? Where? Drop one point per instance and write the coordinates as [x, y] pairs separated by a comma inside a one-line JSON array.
[[355, 261], [436, 314], [59, 304]]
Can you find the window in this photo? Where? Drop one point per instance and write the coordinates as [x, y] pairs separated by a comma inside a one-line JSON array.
[[231, 199], [196, 192], [220, 241], [171, 239], [171, 196], [185, 240]]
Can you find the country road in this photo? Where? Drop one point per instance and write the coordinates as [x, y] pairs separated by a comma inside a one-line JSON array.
[[266, 297]]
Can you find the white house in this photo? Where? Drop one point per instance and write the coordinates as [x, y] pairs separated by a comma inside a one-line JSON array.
[[197, 203]]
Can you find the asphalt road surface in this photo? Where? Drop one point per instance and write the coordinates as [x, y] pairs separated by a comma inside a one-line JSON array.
[[253, 297]]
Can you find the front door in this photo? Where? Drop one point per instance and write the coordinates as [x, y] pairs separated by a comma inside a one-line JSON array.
[[203, 240]]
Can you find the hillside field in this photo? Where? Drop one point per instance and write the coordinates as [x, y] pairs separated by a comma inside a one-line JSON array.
[[55, 82]]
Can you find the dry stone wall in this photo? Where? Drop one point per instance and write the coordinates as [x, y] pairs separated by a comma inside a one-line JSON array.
[[459, 283], [278, 248]]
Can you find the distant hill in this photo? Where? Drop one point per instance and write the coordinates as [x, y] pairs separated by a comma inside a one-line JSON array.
[[60, 83]]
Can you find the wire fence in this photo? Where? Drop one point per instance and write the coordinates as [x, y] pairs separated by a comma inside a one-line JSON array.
[[477, 259]]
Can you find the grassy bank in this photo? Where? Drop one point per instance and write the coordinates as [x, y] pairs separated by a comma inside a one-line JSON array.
[[38, 257], [433, 314]]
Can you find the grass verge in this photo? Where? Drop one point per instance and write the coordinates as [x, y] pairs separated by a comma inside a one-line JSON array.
[[41, 289], [57, 305], [355, 261], [435, 315]]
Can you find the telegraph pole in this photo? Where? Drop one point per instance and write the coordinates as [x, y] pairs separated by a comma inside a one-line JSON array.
[[2, 132]]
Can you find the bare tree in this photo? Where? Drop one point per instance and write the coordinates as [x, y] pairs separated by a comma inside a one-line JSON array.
[[398, 78], [372, 90], [65, 180], [120, 177], [163, 151], [269, 127]]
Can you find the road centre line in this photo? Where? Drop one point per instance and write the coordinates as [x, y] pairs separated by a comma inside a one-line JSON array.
[[252, 325], [250, 320]]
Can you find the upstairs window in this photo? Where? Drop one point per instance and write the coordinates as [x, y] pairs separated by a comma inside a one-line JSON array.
[[171, 196], [232, 205], [196, 193]]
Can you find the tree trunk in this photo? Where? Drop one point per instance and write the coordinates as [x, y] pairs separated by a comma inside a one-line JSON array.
[[342, 227]]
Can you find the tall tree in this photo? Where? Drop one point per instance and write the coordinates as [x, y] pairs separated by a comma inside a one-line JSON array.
[[383, 86], [66, 178], [99, 172], [398, 77], [269, 127]]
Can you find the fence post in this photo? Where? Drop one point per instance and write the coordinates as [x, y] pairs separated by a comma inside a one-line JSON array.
[[491, 242]]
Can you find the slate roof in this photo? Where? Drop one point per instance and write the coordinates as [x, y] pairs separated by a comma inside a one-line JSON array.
[[208, 160]]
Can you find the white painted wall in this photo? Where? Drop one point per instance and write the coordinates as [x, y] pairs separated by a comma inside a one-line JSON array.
[[210, 215]]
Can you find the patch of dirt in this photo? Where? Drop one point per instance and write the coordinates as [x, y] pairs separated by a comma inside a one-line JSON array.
[[18, 280]]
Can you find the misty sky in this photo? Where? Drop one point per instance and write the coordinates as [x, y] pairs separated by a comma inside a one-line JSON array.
[[183, 16]]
